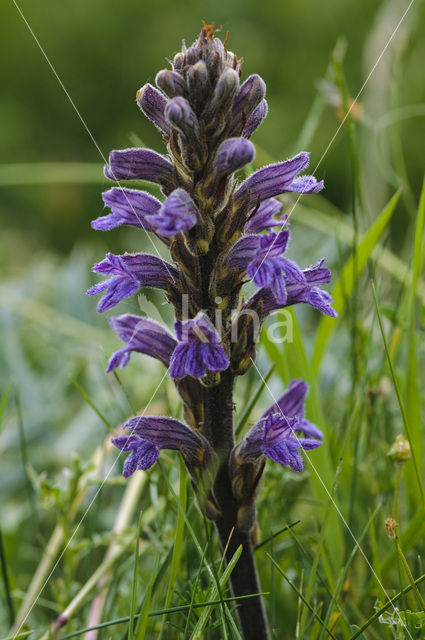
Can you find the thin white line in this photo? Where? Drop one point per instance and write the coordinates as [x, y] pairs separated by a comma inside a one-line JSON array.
[[84, 515], [340, 125], [335, 505], [88, 131]]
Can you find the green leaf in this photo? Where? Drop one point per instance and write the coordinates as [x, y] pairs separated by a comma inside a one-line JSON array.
[[349, 275]]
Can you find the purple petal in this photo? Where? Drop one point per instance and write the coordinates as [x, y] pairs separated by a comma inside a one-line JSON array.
[[195, 365], [178, 361], [310, 430], [140, 164], [129, 207], [126, 443], [130, 272], [292, 401], [305, 184], [243, 251], [152, 103], [233, 154], [247, 100], [278, 453], [264, 218], [144, 336], [255, 119], [274, 179], [178, 213]]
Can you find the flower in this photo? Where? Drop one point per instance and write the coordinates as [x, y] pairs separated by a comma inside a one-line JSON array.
[[178, 213], [262, 217], [150, 434], [142, 335], [297, 292], [274, 434], [279, 178], [130, 272], [129, 207], [261, 256], [198, 348]]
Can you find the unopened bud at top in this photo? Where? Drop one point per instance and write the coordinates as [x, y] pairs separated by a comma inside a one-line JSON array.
[[152, 103], [171, 82]]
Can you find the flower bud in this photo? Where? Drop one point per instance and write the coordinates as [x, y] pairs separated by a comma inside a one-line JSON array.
[[233, 154], [215, 115], [198, 84], [152, 103], [180, 115], [171, 82], [400, 450], [249, 96], [255, 119]]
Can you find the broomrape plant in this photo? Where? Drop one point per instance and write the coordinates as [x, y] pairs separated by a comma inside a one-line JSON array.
[[220, 232]]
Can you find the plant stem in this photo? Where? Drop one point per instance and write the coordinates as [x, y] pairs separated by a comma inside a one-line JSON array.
[[218, 427]]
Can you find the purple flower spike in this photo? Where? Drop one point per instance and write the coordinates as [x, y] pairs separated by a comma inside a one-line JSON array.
[[255, 119], [141, 335], [233, 154], [152, 103], [198, 348], [139, 164], [274, 434], [279, 178], [178, 213], [129, 207], [263, 218], [150, 434], [130, 272], [261, 256]]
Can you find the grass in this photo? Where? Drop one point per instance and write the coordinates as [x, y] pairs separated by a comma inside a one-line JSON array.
[[138, 559]]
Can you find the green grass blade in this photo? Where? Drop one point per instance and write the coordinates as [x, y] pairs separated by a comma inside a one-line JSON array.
[[349, 275], [143, 618], [5, 400], [255, 397], [135, 574], [401, 404], [178, 540], [300, 595], [85, 397], [200, 625], [413, 403], [6, 583], [384, 608]]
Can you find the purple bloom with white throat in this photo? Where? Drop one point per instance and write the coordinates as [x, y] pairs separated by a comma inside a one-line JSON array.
[[177, 213], [148, 435], [129, 207], [261, 257], [143, 336], [130, 272], [198, 349]]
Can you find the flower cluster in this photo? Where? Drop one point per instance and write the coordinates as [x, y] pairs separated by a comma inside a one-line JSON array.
[[220, 230]]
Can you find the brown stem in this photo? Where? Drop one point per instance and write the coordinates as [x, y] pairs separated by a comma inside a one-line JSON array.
[[218, 428]]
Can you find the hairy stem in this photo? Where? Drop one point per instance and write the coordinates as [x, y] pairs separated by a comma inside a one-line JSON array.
[[218, 424]]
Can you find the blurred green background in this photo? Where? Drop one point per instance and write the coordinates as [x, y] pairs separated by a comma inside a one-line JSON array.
[[104, 51]]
